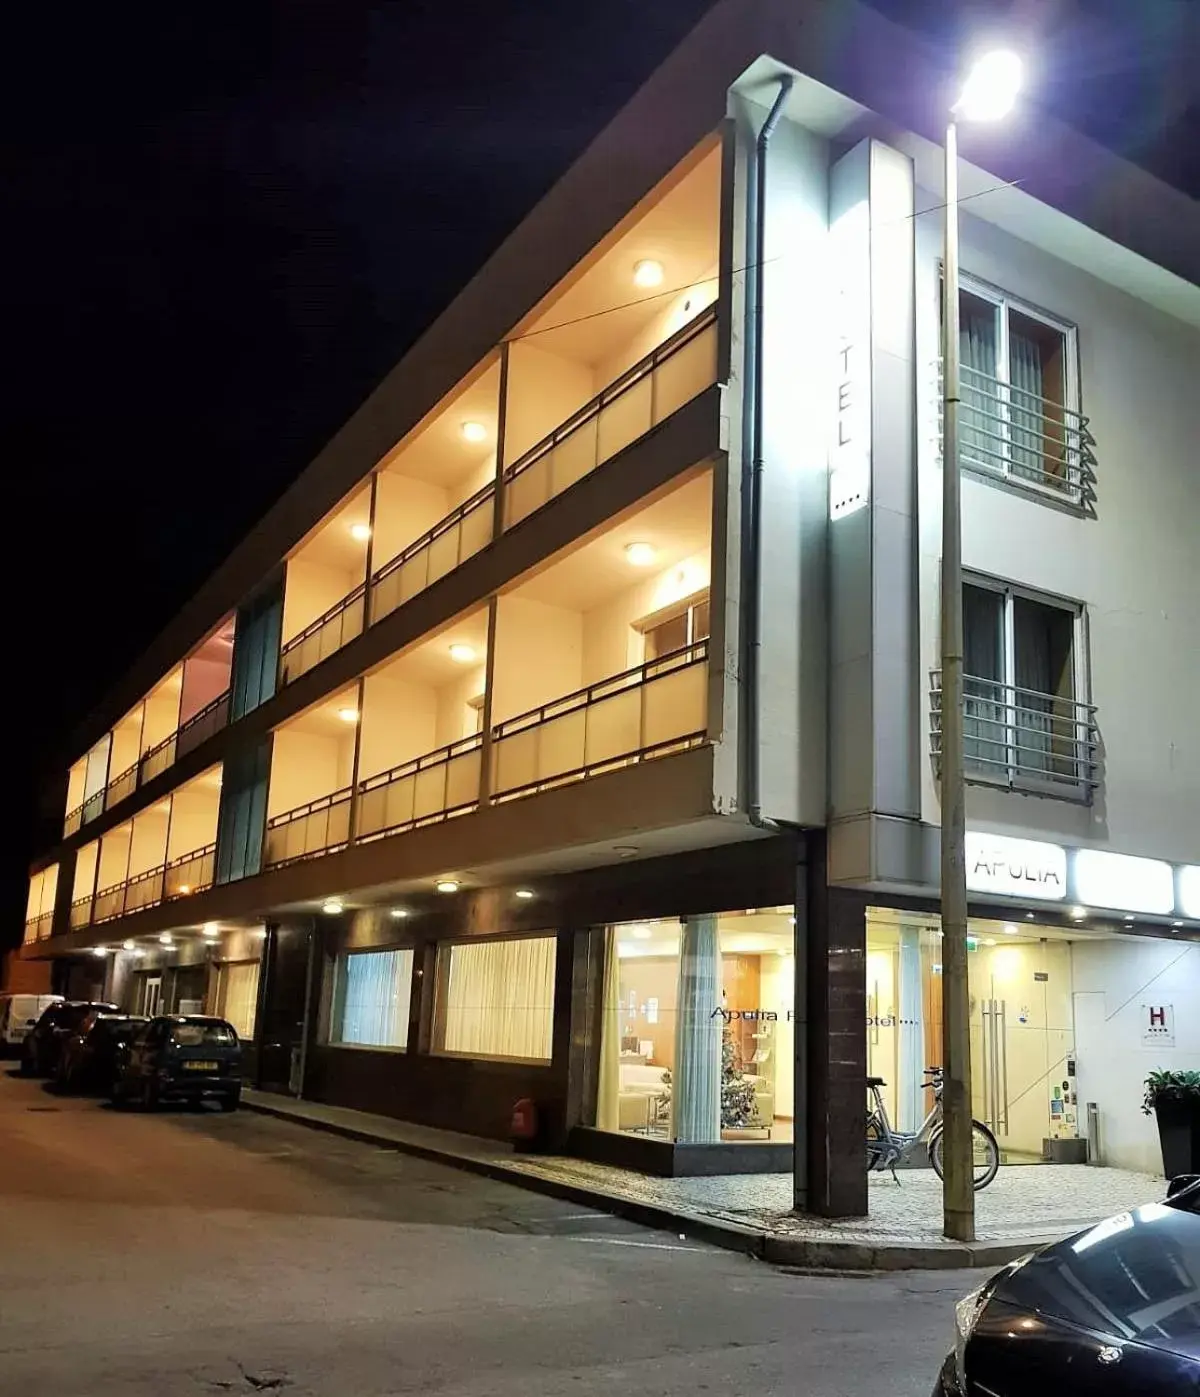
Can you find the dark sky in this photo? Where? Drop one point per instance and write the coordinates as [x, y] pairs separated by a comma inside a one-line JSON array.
[[226, 222]]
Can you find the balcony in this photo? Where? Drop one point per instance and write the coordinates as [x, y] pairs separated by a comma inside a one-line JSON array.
[[1015, 435], [423, 791], [645, 395], [653, 710], [342, 623], [450, 542], [312, 776], [1015, 738], [320, 827]]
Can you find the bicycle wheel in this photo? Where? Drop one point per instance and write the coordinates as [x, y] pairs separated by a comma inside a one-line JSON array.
[[984, 1149]]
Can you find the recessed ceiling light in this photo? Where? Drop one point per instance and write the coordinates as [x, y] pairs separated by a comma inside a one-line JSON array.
[[1129, 916], [640, 555], [525, 894], [648, 273], [462, 654], [1010, 930], [1029, 916], [1078, 914], [360, 532], [473, 431], [210, 928], [331, 907], [1176, 925], [348, 715], [129, 945], [185, 888], [100, 951], [167, 939], [398, 912], [447, 885]]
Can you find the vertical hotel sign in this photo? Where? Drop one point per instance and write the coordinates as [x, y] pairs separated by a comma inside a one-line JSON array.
[[850, 448]]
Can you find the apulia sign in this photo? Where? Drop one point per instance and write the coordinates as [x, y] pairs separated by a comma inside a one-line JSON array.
[[1024, 868]]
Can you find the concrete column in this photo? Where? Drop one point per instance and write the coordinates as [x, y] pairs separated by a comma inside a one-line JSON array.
[[696, 1080]]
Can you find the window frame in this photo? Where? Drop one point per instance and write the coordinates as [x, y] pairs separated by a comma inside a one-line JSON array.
[[441, 976], [337, 963], [1013, 778], [1072, 498], [685, 607]]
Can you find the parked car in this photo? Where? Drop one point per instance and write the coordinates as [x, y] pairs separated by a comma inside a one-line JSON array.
[[1111, 1312], [18, 1014], [44, 1042], [88, 1061], [181, 1057]]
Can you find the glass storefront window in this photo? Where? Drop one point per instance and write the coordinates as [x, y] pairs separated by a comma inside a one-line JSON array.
[[698, 1035], [496, 999], [237, 995], [371, 995]]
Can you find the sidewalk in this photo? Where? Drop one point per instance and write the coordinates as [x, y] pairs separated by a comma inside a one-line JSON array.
[[1024, 1208]]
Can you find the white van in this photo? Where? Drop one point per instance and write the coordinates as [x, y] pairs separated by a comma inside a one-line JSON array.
[[19, 1013]]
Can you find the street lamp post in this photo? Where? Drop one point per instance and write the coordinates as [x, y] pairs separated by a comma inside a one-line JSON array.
[[989, 93]]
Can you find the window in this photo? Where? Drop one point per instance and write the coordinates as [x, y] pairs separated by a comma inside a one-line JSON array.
[[1019, 416], [1023, 721], [237, 995], [242, 813], [496, 999], [371, 995], [665, 633]]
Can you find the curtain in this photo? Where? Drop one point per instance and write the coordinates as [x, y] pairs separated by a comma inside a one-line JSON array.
[[978, 412], [985, 739], [239, 996], [696, 1084], [374, 998], [608, 1090], [499, 998], [910, 1068], [1027, 421]]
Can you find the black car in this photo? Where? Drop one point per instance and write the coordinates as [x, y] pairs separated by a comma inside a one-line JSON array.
[[1111, 1312], [88, 1061], [44, 1041], [181, 1057]]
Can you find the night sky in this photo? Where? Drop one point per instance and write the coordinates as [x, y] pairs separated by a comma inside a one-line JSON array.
[[225, 223]]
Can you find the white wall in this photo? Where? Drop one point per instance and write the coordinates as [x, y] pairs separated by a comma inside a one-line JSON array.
[[311, 589], [1136, 566], [398, 723], [611, 641], [455, 717], [193, 820], [1113, 980], [539, 655], [674, 314], [404, 510], [306, 766], [544, 389]]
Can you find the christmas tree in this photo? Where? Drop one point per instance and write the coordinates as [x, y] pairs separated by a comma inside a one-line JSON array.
[[737, 1091]]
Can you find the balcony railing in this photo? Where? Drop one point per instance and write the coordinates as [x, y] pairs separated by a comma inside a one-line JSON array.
[[202, 725], [653, 710], [645, 395], [73, 821], [190, 873], [451, 541], [121, 786], [108, 903], [324, 636], [81, 912], [427, 789], [1030, 440], [157, 759], [1022, 739], [92, 808], [320, 827], [38, 928]]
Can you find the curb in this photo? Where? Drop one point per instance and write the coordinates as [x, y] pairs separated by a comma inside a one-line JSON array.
[[803, 1253]]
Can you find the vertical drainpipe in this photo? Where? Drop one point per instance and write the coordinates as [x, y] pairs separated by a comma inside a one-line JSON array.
[[752, 478]]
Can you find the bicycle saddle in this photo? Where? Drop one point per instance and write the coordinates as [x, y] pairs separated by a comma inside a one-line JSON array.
[[876, 1082]]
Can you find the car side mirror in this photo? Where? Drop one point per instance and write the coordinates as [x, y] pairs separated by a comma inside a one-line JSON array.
[[1181, 1182]]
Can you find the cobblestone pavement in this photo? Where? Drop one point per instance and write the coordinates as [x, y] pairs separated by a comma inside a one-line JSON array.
[[1048, 1200]]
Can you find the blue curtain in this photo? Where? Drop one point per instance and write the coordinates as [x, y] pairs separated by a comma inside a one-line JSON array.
[[1027, 420], [696, 1080]]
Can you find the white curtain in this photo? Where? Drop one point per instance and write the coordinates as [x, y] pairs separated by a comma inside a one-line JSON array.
[[1026, 414], [608, 1090], [374, 999], [696, 1080], [239, 996], [500, 998]]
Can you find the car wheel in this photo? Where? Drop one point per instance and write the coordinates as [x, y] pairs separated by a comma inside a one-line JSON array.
[[149, 1096]]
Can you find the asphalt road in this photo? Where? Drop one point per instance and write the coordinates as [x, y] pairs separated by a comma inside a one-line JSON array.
[[184, 1253]]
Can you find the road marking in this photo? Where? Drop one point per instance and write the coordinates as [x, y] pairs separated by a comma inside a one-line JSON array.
[[623, 1242]]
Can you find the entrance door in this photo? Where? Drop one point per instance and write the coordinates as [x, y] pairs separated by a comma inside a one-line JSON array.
[[152, 996], [1022, 1039]]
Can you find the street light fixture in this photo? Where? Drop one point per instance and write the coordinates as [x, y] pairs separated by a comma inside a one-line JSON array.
[[988, 94]]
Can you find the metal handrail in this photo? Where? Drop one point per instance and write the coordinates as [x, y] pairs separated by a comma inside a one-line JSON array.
[[993, 417], [312, 808], [131, 770], [443, 526], [201, 713], [1032, 740], [619, 386], [73, 820], [425, 762], [323, 620], [181, 859], [687, 655]]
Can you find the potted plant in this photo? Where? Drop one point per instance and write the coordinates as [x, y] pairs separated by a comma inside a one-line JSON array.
[[1174, 1099]]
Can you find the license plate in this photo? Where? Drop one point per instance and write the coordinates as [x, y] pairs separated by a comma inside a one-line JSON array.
[[201, 1066]]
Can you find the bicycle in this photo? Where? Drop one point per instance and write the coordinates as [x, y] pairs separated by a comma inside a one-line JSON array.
[[887, 1147]]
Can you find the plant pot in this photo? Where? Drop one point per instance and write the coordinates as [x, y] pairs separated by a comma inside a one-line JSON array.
[[1179, 1135]]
